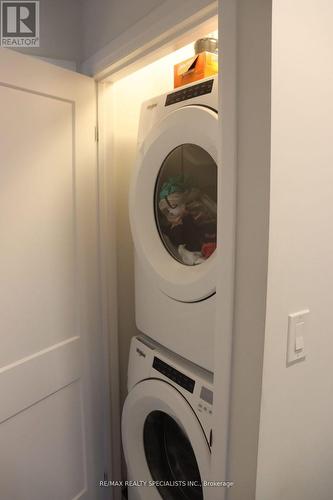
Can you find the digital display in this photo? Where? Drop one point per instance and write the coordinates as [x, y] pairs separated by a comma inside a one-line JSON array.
[[190, 92], [206, 395], [174, 375]]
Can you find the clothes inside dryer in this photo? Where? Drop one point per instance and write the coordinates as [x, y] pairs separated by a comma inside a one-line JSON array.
[[185, 204]]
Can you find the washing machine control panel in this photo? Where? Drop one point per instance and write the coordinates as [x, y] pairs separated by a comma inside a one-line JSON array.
[[149, 360], [174, 375], [189, 92]]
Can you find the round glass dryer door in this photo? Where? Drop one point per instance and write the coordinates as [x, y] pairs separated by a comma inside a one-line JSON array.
[[173, 204], [185, 204]]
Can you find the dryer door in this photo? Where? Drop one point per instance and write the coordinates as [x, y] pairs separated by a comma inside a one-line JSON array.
[[164, 444], [173, 203]]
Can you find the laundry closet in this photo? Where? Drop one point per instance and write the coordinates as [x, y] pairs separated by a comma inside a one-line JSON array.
[[149, 82], [164, 156], [135, 198]]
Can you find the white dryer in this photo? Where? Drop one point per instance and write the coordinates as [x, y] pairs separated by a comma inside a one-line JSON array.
[[173, 212], [166, 425]]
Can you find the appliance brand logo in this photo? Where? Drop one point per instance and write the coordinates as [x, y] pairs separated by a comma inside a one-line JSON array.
[[19, 24], [140, 353]]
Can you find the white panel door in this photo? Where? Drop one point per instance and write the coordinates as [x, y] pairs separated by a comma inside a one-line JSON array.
[[52, 405]]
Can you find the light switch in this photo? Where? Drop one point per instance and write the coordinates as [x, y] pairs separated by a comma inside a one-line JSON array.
[[297, 336], [299, 342]]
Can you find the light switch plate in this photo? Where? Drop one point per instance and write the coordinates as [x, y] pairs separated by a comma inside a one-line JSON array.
[[297, 326]]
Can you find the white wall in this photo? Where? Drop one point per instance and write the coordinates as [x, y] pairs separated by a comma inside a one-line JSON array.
[[295, 460]]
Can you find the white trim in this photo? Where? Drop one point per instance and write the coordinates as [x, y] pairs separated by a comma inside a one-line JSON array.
[[62, 63], [80, 495], [15, 397], [226, 240], [108, 269], [38, 354], [166, 24]]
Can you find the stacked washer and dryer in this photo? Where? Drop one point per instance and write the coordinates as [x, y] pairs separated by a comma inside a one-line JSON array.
[[167, 415]]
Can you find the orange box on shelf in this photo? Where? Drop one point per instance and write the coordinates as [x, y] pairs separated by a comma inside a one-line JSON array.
[[197, 67]]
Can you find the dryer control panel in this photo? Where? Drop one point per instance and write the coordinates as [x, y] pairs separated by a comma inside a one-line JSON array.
[[185, 93]]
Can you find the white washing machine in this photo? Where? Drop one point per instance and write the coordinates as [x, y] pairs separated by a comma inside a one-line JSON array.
[[173, 212], [166, 425]]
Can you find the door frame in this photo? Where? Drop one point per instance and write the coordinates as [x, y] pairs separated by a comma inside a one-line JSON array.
[[120, 66], [107, 69], [108, 270]]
